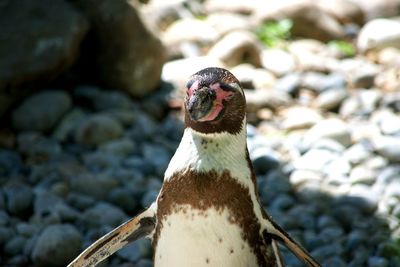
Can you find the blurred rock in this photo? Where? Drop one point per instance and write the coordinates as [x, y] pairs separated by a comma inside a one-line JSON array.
[[98, 129], [257, 99], [251, 77], [300, 118], [127, 55], [235, 6], [63, 236], [379, 34], [19, 198], [345, 11], [278, 61], [225, 23], [331, 99], [36, 48], [309, 21], [237, 47], [41, 111], [104, 214], [332, 128], [388, 147], [389, 56], [378, 9], [181, 31]]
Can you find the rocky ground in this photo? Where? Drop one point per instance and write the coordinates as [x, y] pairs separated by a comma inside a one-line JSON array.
[[77, 160]]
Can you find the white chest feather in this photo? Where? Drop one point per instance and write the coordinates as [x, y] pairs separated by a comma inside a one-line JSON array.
[[191, 237]]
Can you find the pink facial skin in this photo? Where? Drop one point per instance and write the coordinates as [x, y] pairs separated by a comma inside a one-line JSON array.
[[218, 106]]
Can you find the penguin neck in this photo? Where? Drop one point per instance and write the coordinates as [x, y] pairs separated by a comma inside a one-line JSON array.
[[204, 152]]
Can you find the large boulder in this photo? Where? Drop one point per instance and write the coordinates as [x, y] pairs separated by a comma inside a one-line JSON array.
[[38, 41], [125, 54]]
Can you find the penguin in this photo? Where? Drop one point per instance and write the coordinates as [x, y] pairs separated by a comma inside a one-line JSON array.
[[208, 211]]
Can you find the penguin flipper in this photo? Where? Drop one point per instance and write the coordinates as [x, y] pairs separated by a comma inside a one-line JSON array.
[[275, 232], [140, 226]]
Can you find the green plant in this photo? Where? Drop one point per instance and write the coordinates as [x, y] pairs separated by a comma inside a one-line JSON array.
[[274, 33], [345, 47]]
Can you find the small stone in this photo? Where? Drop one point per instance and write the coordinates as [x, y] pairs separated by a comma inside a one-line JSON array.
[[303, 176], [96, 186], [378, 34], [6, 234], [118, 147], [331, 99], [35, 145], [19, 198], [357, 153], [364, 76], [148, 198], [318, 82], [300, 118], [27, 230], [355, 239], [41, 111], [104, 214], [98, 129], [124, 199], [362, 174], [278, 61], [47, 251], [139, 249], [273, 99], [157, 156], [68, 124], [329, 250], [15, 246], [388, 147], [332, 128], [237, 47], [107, 99], [10, 163], [375, 261], [334, 262], [264, 160], [314, 160], [289, 83]]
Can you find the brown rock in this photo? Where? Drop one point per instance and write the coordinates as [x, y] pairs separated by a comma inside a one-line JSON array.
[[237, 47], [379, 8], [309, 20], [38, 41], [345, 11], [126, 54]]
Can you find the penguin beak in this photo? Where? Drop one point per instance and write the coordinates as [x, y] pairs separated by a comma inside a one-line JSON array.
[[201, 103]]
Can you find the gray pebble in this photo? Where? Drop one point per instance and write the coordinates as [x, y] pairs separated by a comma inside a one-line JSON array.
[[111, 99], [375, 261], [331, 99], [65, 129], [388, 147], [27, 230], [355, 239], [264, 160], [6, 234], [326, 251], [19, 198], [41, 111], [65, 237], [148, 198], [334, 262], [123, 198], [104, 214], [80, 201], [289, 83], [98, 161], [97, 129], [96, 186], [35, 145], [157, 156], [15, 246], [139, 249], [10, 163], [119, 147]]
